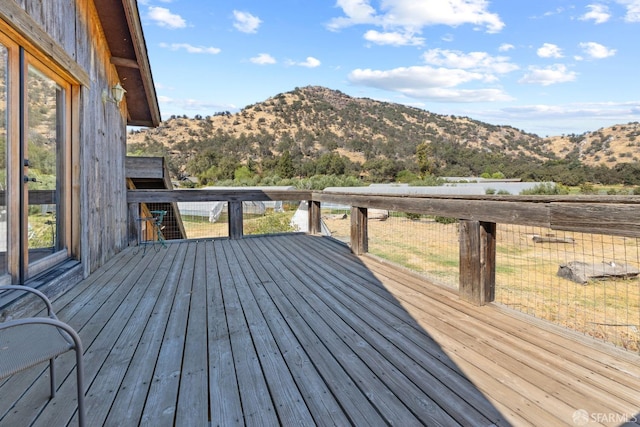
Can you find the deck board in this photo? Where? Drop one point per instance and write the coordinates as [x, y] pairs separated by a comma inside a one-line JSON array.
[[296, 330], [393, 346]]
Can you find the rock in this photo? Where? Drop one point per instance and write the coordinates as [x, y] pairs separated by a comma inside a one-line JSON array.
[[379, 214], [336, 216], [581, 272], [552, 239]]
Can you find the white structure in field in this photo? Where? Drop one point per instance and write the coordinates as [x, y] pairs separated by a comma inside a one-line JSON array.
[[213, 210], [300, 220]]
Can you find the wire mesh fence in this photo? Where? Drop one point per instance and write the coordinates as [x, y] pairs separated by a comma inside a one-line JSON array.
[[562, 277], [423, 244], [585, 282], [203, 220]]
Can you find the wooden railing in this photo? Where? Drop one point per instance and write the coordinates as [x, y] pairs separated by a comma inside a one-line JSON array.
[[234, 198], [478, 216]]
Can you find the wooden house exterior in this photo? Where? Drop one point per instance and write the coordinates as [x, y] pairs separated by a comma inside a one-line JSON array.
[[63, 132]]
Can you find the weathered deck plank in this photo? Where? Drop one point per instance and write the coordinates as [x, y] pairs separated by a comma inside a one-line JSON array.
[[379, 326], [296, 330], [224, 396], [160, 407], [193, 404]]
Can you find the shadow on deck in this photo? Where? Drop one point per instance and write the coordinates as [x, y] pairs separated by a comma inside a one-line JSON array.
[[295, 330]]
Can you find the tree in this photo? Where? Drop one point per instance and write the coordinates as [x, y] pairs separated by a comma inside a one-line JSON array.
[[285, 168], [424, 155]]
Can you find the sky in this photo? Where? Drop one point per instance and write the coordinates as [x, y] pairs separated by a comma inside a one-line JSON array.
[[548, 67]]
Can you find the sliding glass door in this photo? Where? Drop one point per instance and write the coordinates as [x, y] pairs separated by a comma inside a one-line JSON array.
[[43, 155], [34, 165]]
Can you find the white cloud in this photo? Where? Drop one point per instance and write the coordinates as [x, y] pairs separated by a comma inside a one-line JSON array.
[[553, 74], [356, 11], [596, 50], [425, 82], [310, 62], [599, 13], [393, 38], [477, 61], [198, 106], [246, 22], [190, 48], [263, 59], [412, 16], [548, 50], [613, 110], [504, 47], [633, 10], [546, 119], [164, 18]]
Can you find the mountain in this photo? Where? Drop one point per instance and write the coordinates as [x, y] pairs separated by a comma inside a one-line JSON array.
[[607, 146], [312, 121]]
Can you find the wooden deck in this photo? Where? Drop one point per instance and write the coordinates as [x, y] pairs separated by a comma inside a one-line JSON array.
[[295, 330]]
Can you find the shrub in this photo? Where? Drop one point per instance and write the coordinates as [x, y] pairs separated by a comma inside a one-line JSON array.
[[546, 188], [445, 220]]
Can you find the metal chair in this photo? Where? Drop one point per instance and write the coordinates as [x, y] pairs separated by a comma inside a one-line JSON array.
[[26, 342], [155, 221]]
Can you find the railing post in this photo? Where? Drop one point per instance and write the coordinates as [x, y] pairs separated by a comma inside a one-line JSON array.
[[133, 229], [315, 220], [359, 231], [235, 219], [477, 261]]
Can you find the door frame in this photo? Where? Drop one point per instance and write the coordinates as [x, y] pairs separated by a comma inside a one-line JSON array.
[[21, 54]]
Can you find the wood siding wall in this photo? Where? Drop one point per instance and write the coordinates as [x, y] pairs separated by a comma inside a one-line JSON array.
[[99, 189]]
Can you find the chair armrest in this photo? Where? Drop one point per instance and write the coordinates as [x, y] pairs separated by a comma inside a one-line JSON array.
[[75, 338], [36, 292]]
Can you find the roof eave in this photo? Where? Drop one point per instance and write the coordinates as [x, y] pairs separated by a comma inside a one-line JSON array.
[[123, 31]]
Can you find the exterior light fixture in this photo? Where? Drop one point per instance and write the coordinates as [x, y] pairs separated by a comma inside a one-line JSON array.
[[117, 93]]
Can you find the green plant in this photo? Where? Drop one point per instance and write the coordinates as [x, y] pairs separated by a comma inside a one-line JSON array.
[[546, 188], [276, 222], [445, 220]]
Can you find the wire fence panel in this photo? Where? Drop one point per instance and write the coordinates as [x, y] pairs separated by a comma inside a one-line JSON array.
[[569, 279], [528, 262], [423, 244]]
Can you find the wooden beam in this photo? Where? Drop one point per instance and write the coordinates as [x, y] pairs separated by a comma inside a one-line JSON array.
[[359, 231], [315, 219], [235, 220], [477, 261], [124, 62], [159, 196], [498, 210], [616, 219]]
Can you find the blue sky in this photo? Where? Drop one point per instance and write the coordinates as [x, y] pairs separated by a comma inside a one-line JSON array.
[[548, 67]]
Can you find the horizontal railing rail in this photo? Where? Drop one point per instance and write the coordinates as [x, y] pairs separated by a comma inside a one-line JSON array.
[[615, 215]]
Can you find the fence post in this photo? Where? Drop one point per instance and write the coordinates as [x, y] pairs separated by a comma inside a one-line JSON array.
[[477, 261], [315, 224], [359, 231], [235, 219], [133, 229]]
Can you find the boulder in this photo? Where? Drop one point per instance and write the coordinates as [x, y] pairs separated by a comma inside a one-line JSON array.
[[378, 214], [581, 272]]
